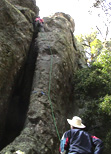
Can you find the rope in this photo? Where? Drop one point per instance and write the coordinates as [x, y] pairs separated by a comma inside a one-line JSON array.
[[52, 110]]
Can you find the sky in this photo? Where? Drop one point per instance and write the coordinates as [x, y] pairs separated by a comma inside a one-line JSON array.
[[77, 9]]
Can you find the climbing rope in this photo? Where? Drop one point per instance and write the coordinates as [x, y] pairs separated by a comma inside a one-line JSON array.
[[50, 77], [49, 89]]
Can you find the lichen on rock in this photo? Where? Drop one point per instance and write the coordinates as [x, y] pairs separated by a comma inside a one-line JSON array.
[[55, 66], [15, 38]]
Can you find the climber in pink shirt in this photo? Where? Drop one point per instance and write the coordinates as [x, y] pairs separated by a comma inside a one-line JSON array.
[[39, 24], [39, 19]]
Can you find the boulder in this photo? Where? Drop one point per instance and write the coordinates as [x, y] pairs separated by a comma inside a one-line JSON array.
[[16, 31], [30, 4], [51, 98]]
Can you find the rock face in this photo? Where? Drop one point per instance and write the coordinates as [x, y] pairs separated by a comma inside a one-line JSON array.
[[51, 100], [30, 4], [16, 31]]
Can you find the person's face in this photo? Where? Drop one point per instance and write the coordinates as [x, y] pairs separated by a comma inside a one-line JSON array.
[[71, 127]]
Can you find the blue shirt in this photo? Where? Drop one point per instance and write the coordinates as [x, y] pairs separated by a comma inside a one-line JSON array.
[[77, 141]]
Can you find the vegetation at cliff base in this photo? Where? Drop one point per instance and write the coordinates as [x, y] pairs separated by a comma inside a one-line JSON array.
[[93, 87]]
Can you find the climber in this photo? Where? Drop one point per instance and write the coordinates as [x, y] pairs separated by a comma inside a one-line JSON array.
[[77, 141], [38, 24]]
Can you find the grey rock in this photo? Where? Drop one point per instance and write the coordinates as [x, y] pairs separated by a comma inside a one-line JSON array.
[[51, 99], [31, 4], [15, 37]]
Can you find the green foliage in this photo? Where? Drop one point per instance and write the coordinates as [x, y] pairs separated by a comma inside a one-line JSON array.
[[87, 39], [96, 46], [105, 105], [91, 113], [93, 91], [104, 60], [108, 45], [107, 142], [91, 44], [92, 82]]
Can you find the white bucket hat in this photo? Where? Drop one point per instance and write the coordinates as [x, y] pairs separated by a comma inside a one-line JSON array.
[[76, 122]]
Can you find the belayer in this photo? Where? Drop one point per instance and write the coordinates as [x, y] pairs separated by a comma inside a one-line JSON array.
[[78, 141]]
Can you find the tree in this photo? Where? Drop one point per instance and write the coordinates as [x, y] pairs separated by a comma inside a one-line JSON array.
[[92, 45], [92, 90], [104, 12], [96, 46]]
